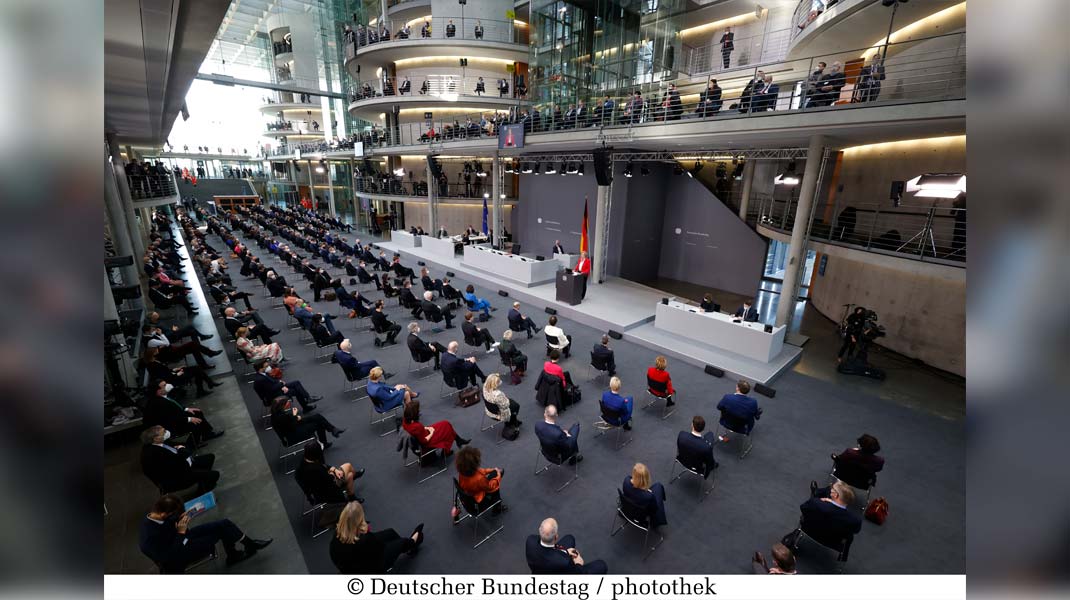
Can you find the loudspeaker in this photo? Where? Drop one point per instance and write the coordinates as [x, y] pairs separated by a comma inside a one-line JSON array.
[[603, 166], [614, 334], [538, 257], [450, 274], [421, 263], [763, 390], [769, 329], [503, 293], [712, 370], [665, 301], [125, 292], [550, 311]]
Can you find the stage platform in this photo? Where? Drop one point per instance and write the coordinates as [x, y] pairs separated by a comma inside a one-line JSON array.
[[617, 304]]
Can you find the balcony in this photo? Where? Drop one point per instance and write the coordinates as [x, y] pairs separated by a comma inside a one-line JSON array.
[[152, 189], [436, 92]]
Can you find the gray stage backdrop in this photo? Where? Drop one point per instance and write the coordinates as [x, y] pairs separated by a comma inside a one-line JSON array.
[[714, 247]]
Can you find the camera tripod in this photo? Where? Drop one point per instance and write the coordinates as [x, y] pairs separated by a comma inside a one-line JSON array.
[[926, 234]]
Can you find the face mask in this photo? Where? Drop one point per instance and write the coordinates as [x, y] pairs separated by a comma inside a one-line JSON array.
[[167, 388], [166, 435]]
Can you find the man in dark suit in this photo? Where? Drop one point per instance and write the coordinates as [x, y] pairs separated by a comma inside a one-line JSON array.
[[710, 100], [166, 537], [558, 248], [420, 350], [433, 312], [518, 322], [694, 449], [409, 301], [322, 281], [344, 356], [747, 312], [474, 335], [829, 86], [827, 517], [276, 284], [268, 388], [766, 99], [554, 438], [174, 468], [384, 325], [603, 354], [161, 409], [461, 369], [226, 295], [738, 411], [547, 554], [728, 44], [233, 320]]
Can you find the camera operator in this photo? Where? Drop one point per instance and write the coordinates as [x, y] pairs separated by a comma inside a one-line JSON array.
[[852, 333]]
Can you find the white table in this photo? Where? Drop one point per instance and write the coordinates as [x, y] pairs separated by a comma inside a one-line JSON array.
[[439, 246], [479, 238], [405, 239], [568, 260], [718, 329], [522, 269]]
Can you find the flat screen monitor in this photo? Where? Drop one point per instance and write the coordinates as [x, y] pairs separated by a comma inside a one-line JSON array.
[[511, 136]]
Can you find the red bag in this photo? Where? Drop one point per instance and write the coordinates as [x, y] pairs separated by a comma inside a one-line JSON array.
[[877, 511]]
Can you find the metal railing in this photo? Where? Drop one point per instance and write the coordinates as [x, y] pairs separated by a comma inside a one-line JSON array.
[[447, 87], [280, 97], [393, 186], [806, 12], [922, 75], [921, 231], [438, 28], [295, 126], [145, 186], [765, 47]]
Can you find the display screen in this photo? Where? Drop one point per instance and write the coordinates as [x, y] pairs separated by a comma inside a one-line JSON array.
[[511, 136]]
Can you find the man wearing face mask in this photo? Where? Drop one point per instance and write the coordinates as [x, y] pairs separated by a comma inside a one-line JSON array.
[[173, 467], [161, 409], [268, 388], [166, 537]]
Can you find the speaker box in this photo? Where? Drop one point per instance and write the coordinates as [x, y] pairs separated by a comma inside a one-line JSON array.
[[763, 390], [538, 257], [769, 329], [665, 301], [615, 334], [603, 166], [550, 311], [450, 274], [421, 263], [712, 370], [503, 293]]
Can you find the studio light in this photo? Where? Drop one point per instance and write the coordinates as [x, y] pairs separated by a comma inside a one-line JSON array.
[[572, 168], [579, 171], [550, 170], [644, 171], [479, 170], [786, 179], [486, 195], [937, 185], [565, 169], [628, 170], [399, 172], [502, 196], [526, 168]]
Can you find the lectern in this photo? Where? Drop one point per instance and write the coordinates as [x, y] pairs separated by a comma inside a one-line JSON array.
[[569, 287]]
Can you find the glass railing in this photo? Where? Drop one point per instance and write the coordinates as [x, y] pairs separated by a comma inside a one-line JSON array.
[[445, 87], [766, 47], [392, 186], [280, 97], [922, 70], [146, 186], [922, 232], [469, 29]]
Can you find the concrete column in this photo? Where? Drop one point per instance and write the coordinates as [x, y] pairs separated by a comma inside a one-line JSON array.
[[330, 189], [601, 230], [797, 248], [311, 186], [138, 242], [748, 179], [111, 313], [120, 233], [496, 201], [432, 202]]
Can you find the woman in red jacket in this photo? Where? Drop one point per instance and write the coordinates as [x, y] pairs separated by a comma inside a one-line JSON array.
[[659, 374], [438, 435]]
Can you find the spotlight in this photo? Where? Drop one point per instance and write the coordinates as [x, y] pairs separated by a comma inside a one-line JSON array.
[[580, 170], [502, 196], [677, 169], [550, 170], [399, 172], [791, 166], [628, 170], [479, 170], [573, 168], [737, 173], [644, 171], [319, 169], [486, 195], [525, 168], [786, 179]]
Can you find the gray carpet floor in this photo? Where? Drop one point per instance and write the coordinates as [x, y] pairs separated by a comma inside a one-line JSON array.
[[755, 501]]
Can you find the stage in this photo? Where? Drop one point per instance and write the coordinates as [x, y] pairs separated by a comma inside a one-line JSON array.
[[617, 304]]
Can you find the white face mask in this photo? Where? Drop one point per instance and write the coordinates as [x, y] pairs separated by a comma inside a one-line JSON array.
[[166, 435], [167, 388]]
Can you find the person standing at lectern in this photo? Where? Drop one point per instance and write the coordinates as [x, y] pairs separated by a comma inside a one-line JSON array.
[[558, 248], [583, 267]]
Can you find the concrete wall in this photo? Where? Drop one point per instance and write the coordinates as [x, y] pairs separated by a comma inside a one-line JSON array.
[[551, 208], [922, 307], [454, 217], [641, 224], [704, 242]]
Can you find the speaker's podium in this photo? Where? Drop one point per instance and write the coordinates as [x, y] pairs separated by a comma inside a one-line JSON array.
[[569, 287]]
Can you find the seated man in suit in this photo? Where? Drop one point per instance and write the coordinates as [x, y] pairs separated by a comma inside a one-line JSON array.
[[783, 562], [384, 325], [164, 301], [448, 291], [233, 320], [364, 276], [401, 270], [558, 248], [323, 331], [226, 295], [603, 354], [161, 409], [268, 388], [694, 449], [461, 369], [172, 467], [165, 536], [557, 440], [738, 410], [409, 301], [351, 269], [548, 554], [420, 350], [622, 405], [474, 335], [747, 312], [518, 322], [429, 283], [556, 339], [827, 517], [175, 333], [276, 284], [511, 354], [433, 312], [344, 356], [389, 397], [475, 302]]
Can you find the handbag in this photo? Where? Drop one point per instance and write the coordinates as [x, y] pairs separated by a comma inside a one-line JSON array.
[[510, 432], [877, 510], [467, 397]]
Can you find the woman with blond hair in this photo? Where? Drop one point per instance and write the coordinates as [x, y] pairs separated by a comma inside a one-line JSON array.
[[648, 496], [357, 550], [508, 410], [270, 352]]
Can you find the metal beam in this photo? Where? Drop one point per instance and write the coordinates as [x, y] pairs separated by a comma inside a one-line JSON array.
[[266, 85]]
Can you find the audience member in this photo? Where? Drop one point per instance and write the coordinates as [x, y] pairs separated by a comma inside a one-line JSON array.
[[172, 467], [738, 410], [344, 357], [475, 302], [602, 354], [356, 550], [474, 335], [433, 312], [482, 484], [166, 537], [826, 516], [385, 326], [422, 351], [294, 427], [461, 369], [564, 442], [268, 385], [658, 374], [622, 405], [389, 397], [326, 483], [548, 554], [694, 449], [783, 561], [858, 466], [264, 352], [518, 322], [508, 410], [439, 435], [648, 496], [556, 338], [161, 409], [512, 355]]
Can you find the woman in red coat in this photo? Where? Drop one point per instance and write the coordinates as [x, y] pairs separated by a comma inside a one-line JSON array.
[[659, 374], [438, 435]]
